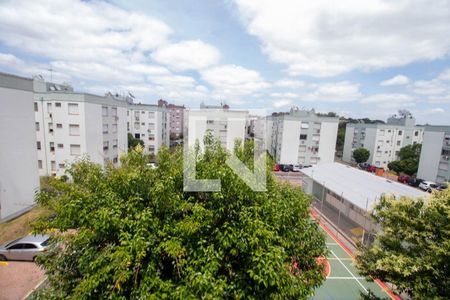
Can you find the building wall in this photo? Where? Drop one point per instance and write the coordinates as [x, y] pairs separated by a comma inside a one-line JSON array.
[[290, 142], [18, 157], [347, 152], [327, 143], [430, 155]]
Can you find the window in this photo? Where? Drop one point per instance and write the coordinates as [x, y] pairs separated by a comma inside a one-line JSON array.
[[50, 127], [136, 114], [114, 128], [57, 104], [75, 149], [136, 125], [105, 128], [381, 132], [304, 126], [38, 145], [61, 166], [115, 160], [73, 109], [151, 126], [114, 144], [40, 164], [49, 107], [416, 133], [60, 146], [210, 122], [151, 137], [137, 136], [104, 111], [398, 143], [52, 147], [151, 114], [36, 108], [16, 247], [29, 246], [303, 136], [114, 111], [58, 125], [400, 132], [74, 129], [53, 165], [37, 126], [105, 145]]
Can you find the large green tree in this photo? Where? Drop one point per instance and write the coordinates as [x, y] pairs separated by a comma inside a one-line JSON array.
[[361, 155], [132, 233], [408, 162], [133, 142], [412, 249]]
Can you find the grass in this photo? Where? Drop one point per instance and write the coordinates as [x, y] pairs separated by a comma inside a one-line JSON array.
[[21, 225]]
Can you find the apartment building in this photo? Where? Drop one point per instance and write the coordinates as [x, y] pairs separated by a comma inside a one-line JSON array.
[[384, 141], [225, 125], [70, 125], [434, 164], [301, 137], [149, 123], [19, 177], [176, 118]]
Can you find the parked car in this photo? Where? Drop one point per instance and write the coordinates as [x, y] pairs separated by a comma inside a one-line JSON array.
[[276, 168], [403, 178], [152, 165], [25, 248], [442, 186], [371, 169], [296, 168], [415, 181], [307, 166], [363, 165], [428, 186], [284, 168]]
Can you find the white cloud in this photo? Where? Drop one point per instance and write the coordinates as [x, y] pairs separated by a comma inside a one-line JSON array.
[[383, 99], [334, 92], [323, 38], [396, 80], [429, 87], [289, 83], [445, 75], [285, 95], [281, 103], [234, 80], [187, 55], [436, 110]]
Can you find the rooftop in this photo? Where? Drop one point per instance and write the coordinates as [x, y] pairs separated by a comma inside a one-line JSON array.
[[358, 186]]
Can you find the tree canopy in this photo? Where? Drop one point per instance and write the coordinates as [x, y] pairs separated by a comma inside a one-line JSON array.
[[361, 155], [412, 250], [133, 142], [131, 232], [408, 162]]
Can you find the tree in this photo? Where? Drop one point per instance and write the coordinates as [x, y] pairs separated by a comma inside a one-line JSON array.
[[133, 142], [361, 155], [412, 249], [409, 160], [131, 232]]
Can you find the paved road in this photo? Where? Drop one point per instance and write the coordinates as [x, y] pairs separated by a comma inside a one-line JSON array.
[[17, 279]]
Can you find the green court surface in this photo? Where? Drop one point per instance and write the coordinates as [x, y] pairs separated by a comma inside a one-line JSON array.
[[343, 281]]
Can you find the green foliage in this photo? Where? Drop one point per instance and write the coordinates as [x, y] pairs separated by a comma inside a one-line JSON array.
[[361, 155], [133, 142], [409, 160], [412, 250], [132, 233]]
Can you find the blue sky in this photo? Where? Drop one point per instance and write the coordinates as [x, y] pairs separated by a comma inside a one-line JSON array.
[[357, 58]]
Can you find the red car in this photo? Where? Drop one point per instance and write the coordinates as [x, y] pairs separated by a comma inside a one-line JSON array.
[[276, 168], [371, 169], [403, 178]]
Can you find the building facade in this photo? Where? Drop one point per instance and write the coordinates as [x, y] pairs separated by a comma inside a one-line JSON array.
[[383, 141], [176, 119], [149, 123], [301, 137], [434, 164], [70, 125], [224, 124], [19, 177]]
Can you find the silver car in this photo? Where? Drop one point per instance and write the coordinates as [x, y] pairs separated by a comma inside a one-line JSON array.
[[26, 248]]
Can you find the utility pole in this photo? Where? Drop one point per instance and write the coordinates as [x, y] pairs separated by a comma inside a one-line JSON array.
[[51, 73]]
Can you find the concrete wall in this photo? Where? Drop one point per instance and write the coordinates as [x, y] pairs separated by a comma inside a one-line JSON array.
[[430, 155], [290, 142], [18, 157], [327, 143]]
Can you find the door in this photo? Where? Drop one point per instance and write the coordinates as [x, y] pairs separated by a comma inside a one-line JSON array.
[[29, 252], [14, 252]]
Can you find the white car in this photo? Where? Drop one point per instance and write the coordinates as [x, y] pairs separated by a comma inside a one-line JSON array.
[[26, 248], [296, 168], [427, 186]]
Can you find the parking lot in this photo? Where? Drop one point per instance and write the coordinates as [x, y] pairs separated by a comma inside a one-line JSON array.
[[18, 279]]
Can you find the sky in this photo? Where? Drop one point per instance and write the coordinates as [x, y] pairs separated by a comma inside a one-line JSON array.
[[356, 58]]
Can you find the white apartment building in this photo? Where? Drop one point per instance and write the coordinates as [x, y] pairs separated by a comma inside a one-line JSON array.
[[434, 164], [19, 176], [225, 125], [151, 124], [70, 125], [302, 137], [384, 141]]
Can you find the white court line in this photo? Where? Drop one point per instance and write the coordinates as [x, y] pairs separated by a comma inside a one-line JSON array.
[[354, 277], [341, 258], [330, 244], [338, 277]]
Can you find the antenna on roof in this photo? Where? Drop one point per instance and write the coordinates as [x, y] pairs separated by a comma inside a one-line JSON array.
[[51, 73]]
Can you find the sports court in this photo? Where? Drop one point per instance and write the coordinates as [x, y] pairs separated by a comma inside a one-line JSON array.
[[343, 281]]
